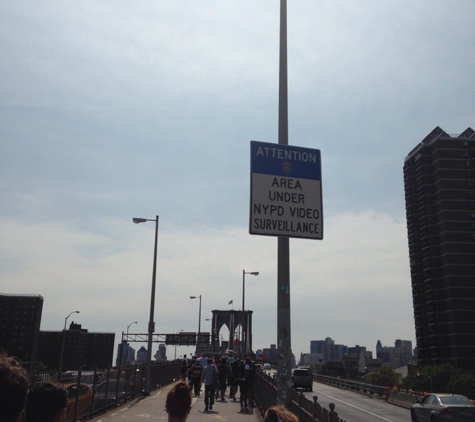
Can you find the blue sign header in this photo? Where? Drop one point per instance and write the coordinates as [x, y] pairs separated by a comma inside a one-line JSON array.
[[285, 160]]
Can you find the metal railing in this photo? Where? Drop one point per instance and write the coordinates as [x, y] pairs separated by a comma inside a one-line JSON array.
[[351, 385], [94, 392], [265, 395], [394, 396]]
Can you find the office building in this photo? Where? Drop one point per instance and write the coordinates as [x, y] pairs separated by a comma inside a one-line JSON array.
[[81, 348], [125, 353], [20, 320], [142, 355], [161, 354], [397, 356], [439, 184]]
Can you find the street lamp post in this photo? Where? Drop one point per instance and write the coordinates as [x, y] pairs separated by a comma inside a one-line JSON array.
[[175, 343], [151, 323], [199, 324], [128, 326], [64, 336], [243, 345]]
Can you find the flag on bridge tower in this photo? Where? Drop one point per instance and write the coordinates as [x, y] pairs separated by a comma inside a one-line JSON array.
[[230, 302]]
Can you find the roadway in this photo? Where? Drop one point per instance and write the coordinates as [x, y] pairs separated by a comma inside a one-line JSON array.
[[350, 406], [356, 407]]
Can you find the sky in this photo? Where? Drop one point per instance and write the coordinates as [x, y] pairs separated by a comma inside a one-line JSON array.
[[111, 110]]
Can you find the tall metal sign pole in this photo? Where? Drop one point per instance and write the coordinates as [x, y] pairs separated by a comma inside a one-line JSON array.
[[286, 201], [283, 261]]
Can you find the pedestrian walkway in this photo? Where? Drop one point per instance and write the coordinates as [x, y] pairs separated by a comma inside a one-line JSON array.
[[153, 408]]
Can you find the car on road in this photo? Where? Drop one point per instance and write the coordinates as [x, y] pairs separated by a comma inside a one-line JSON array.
[[302, 378], [83, 394], [443, 407], [109, 394], [266, 367]]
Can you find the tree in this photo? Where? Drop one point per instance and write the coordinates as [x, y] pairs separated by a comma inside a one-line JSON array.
[[385, 377], [441, 378]]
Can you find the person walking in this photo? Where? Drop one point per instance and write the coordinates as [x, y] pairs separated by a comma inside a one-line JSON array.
[[196, 373], [250, 371], [209, 377], [178, 403], [243, 386], [232, 378], [184, 368], [222, 377]]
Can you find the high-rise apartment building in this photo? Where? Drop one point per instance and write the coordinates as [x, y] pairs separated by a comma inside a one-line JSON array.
[[20, 319], [439, 182], [77, 346], [125, 354]]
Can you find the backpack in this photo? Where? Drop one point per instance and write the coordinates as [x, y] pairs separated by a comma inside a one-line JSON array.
[[184, 363], [240, 372], [252, 370]]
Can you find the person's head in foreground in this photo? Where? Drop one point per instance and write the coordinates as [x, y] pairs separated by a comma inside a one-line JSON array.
[[178, 404], [46, 402], [13, 389], [279, 414]]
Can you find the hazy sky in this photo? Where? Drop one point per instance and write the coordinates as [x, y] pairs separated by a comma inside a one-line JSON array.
[[118, 109]]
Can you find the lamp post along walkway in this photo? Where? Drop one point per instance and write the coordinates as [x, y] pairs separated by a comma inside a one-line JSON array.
[[151, 323], [244, 339], [199, 325]]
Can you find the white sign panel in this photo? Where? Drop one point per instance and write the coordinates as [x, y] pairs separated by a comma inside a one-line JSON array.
[[286, 191]]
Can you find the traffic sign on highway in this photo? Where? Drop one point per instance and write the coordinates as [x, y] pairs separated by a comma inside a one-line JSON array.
[[286, 191]]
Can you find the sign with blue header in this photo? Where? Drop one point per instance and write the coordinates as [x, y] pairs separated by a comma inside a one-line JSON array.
[[286, 191]]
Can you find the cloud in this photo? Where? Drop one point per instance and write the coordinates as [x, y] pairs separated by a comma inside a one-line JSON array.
[[357, 277], [111, 110]]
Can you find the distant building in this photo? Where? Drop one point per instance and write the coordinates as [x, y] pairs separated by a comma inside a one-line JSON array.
[[270, 355], [361, 355], [397, 356], [328, 350], [80, 348], [316, 346], [20, 336], [311, 359], [20, 320], [125, 353], [439, 184], [142, 355], [161, 355]]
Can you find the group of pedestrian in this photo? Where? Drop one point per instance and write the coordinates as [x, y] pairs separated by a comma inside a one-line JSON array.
[[178, 407], [47, 401], [39, 402], [218, 375]]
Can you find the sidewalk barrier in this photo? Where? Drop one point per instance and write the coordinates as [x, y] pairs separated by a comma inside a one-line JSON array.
[[265, 393], [121, 384], [396, 397]]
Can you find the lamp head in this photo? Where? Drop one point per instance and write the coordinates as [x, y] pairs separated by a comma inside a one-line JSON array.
[[139, 220], [254, 273]]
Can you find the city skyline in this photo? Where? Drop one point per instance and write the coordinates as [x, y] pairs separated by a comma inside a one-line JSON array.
[[112, 111]]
